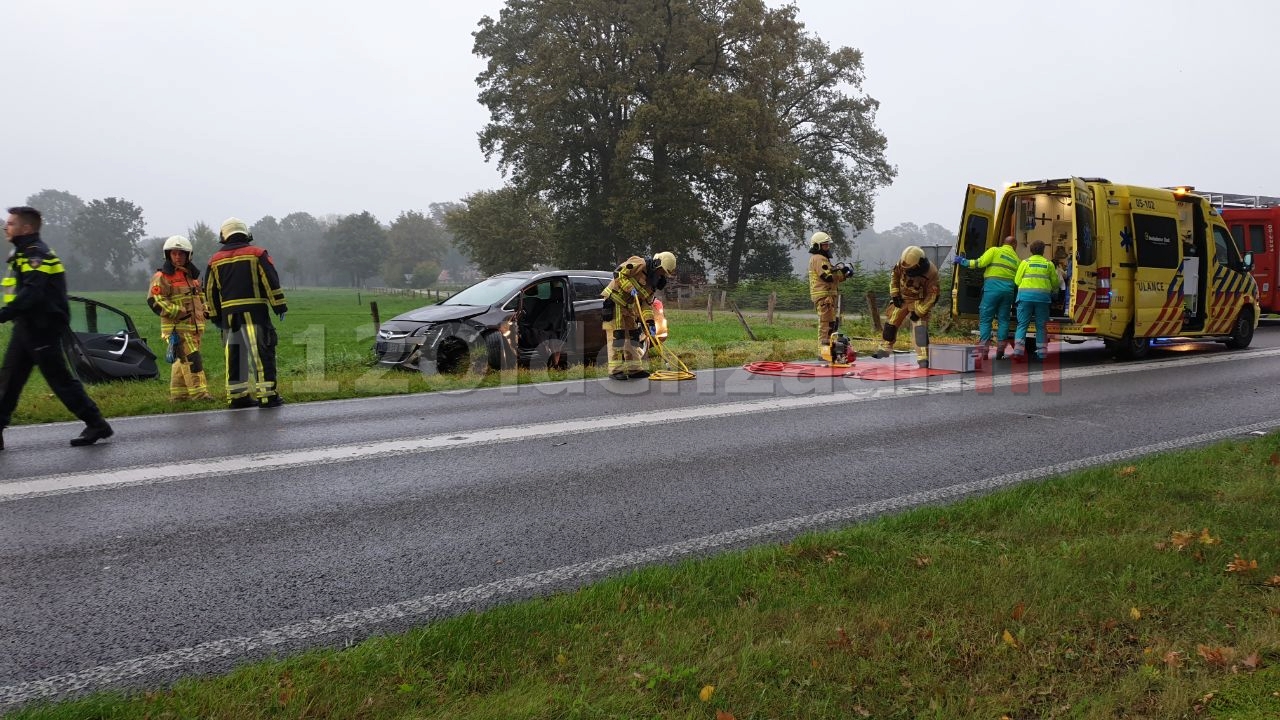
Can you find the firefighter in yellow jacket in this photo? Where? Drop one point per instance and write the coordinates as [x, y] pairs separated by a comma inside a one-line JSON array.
[[912, 294], [176, 296], [628, 302], [824, 285]]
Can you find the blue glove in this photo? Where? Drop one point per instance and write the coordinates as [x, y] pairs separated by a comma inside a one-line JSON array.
[[653, 328], [281, 316], [171, 354], [961, 260]]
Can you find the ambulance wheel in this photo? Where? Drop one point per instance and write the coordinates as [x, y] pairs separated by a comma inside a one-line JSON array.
[[1242, 333], [1130, 347]]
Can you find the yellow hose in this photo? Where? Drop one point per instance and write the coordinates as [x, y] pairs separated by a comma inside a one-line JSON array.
[[675, 370]]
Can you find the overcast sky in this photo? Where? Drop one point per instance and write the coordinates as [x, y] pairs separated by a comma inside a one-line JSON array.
[[197, 111]]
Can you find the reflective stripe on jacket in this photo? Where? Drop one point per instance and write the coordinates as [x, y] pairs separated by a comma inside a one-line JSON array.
[[823, 279], [178, 300], [35, 289], [632, 275], [241, 275], [1036, 276], [1000, 261]]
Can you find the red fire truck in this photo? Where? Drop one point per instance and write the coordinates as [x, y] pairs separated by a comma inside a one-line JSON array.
[[1253, 220]]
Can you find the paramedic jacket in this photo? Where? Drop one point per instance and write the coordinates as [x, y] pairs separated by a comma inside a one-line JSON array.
[[241, 277]]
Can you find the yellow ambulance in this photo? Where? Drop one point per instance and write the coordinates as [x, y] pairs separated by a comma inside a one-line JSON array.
[[1140, 263]]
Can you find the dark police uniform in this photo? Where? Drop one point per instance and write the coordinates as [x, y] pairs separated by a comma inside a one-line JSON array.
[[35, 299]]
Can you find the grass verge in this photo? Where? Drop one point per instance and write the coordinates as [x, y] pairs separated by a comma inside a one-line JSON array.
[[1149, 590]]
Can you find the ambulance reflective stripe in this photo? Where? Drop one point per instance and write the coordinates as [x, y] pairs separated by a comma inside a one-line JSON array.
[[1169, 320], [1085, 307], [1228, 296]]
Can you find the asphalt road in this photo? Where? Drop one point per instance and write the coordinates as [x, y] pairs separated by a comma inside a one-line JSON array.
[[191, 543]]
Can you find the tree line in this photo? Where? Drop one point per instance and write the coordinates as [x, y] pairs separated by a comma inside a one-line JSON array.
[[104, 245]]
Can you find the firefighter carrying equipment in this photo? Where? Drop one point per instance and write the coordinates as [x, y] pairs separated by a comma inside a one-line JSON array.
[[914, 288], [676, 369], [636, 279]]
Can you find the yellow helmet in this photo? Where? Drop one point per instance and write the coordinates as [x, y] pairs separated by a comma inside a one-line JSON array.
[[818, 238], [666, 261], [233, 226], [177, 242], [912, 256]]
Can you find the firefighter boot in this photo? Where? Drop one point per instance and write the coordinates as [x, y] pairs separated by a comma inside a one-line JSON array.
[[888, 337], [95, 429]]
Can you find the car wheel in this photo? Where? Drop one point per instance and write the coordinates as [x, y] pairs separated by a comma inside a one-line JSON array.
[[453, 356], [1130, 348], [493, 351], [1242, 333]]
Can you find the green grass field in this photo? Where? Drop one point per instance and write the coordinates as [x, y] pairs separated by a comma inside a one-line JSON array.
[[1144, 590], [326, 352]]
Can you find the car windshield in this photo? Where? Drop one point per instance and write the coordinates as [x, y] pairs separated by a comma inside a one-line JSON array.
[[487, 292]]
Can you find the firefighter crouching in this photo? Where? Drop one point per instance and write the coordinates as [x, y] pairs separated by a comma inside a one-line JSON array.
[[242, 289], [636, 279], [913, 292], [824, 286], [175, 296]]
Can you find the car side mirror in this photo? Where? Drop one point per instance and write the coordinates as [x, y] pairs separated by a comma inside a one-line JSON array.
[[1248, 261]]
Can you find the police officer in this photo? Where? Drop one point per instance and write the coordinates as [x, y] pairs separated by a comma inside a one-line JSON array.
[[1037, 280], [35, 299], [242, 289], [824, 285], [628, 302], [999, 264]]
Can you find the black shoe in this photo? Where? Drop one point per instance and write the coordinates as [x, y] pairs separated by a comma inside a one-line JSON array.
[[274, 401], [242, 402], [637, 374], [618, 375], [1, 438], [92, 433], [1000, 356]]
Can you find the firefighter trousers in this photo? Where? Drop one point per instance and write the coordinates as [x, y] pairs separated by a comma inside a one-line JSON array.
[[249, 342]]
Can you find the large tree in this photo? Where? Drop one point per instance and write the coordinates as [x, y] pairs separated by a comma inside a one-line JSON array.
[[204, 241], [357, 244], [416, 242], [502, 230], [677, 124], [59, 210], [106, 234]]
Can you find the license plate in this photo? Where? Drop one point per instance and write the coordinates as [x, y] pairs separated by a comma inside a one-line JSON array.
[[380, 347]]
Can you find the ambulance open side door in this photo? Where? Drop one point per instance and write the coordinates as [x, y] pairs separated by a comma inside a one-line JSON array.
[[977, 228], [1082, 265]]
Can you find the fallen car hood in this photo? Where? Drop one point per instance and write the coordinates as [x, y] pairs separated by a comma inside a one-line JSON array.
[[440, 313]]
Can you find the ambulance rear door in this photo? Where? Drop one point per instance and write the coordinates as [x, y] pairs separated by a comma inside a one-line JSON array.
[[977, 228], [1082, 265], [1157, 283]]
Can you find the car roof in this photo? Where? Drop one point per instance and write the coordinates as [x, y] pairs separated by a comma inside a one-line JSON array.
[[542, 274]]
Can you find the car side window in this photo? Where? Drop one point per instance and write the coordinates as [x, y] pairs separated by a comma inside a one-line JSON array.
[[1224, 250], [88, 317]]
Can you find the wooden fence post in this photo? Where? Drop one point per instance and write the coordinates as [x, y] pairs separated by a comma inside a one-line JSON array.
[[773, 303], [875, 312], [724, 294], [709, 317], [742, 320]]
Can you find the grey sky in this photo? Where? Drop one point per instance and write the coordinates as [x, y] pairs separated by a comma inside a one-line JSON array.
[[249, 107]]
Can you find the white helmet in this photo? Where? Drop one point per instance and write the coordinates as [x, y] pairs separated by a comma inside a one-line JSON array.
[[177, 242], [666, 261], [232, 226], [819, 238], [912, 256]]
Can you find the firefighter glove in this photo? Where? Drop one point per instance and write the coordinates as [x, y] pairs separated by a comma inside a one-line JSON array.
[[281, 316], [653, 328], [914, 316], [961, 260], [897, 300]]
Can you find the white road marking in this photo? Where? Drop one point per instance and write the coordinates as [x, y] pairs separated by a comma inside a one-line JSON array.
[[441, 604], [59, 484]]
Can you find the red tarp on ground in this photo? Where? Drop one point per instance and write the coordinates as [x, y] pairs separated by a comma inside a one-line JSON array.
[[861, 371]]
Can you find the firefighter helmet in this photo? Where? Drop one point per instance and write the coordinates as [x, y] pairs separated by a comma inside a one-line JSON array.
[[666, 261], [819, 238], [233, 226], [177, 242], [912, 256]]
